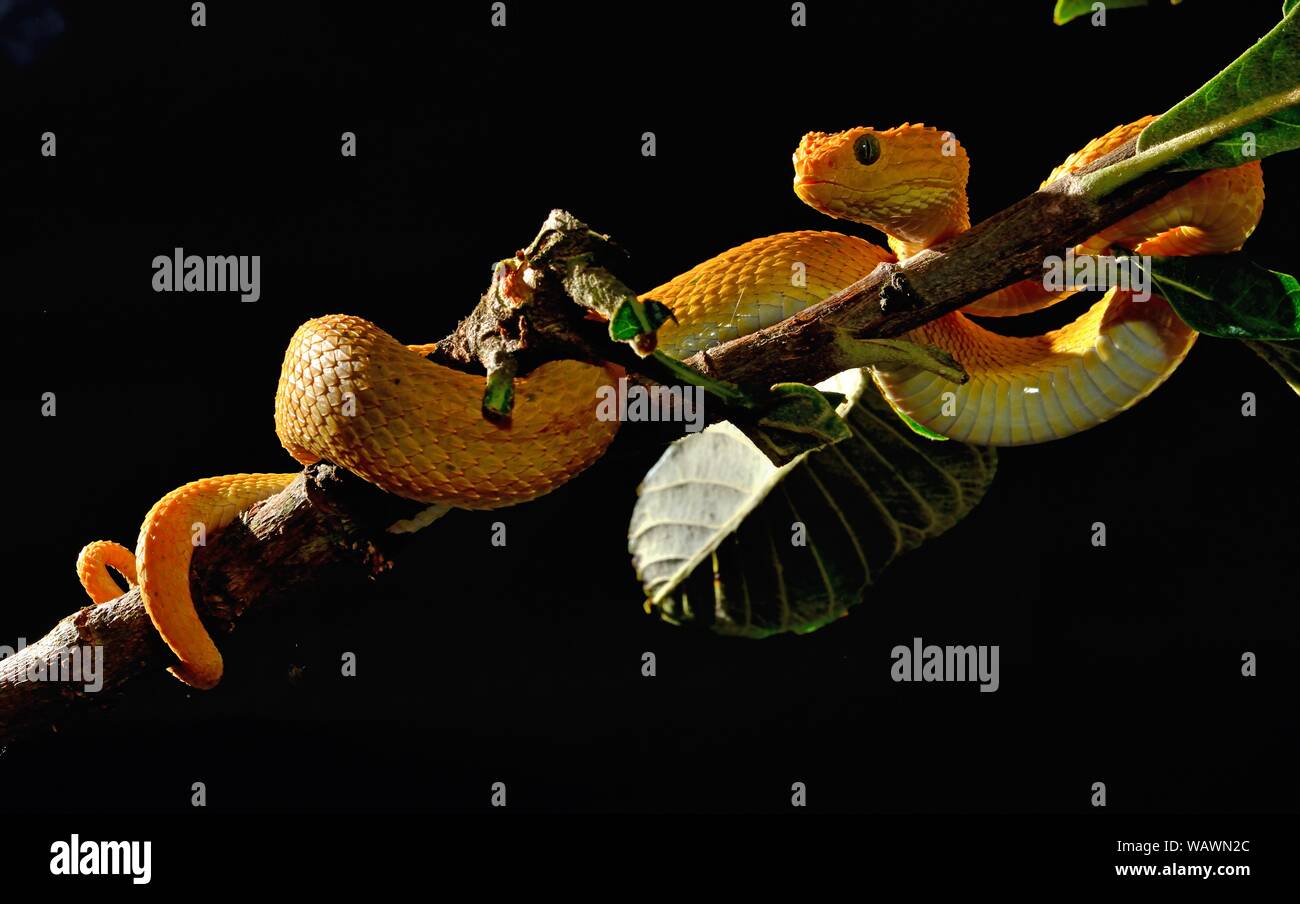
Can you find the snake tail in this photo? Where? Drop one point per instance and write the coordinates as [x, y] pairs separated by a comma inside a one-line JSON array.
[[183, 518]]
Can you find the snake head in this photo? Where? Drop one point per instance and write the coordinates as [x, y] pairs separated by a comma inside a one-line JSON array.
[[908, 181]]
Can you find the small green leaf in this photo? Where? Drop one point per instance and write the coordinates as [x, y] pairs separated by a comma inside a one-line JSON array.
[[800, 408], [1072, 9], [628, 322], [635, 321], [1227, 295], [796, 419], [1283, 357], [924, 431], [499, 394], [900, 352]]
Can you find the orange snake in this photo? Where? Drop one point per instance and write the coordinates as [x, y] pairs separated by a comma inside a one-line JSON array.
[[351, 394]]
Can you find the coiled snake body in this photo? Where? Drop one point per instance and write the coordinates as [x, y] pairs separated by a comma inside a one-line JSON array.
[[352, 394]]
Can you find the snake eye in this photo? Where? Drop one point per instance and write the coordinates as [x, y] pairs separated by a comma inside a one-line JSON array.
[[867, 150]]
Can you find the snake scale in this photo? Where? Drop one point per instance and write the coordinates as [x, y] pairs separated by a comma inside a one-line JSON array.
[[352, 394]]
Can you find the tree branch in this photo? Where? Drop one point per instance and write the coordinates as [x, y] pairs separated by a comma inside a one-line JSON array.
[[894, 298], [327, 529]]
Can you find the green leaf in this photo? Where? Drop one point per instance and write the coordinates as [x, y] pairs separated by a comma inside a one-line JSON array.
[[918, 428], [1282, 357], [499, 390], [1257, 94], [1072, 9], [635, 321], [802, 410], [1227, 295], [499, 393], [1288, 5], [711, 534], [628, 322], [899, 352]]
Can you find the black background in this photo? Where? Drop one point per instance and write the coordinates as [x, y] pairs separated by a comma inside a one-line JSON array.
[[522, 664]]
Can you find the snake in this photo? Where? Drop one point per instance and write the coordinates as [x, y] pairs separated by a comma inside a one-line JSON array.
[[351, 394]]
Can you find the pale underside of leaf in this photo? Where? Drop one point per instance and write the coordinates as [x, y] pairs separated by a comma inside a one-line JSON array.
[[702, 489], [732, 564]]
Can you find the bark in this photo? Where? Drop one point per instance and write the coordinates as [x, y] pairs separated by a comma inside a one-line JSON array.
[[326, 529]]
